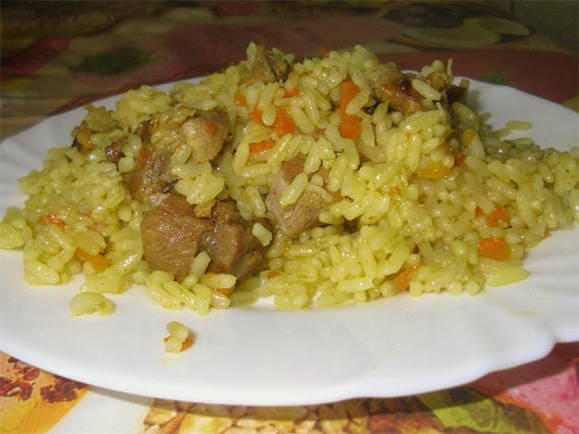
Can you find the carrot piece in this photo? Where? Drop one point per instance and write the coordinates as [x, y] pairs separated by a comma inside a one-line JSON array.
[[240, 100], [433, 171], [495, 216], [283, 124], [255, 115], [348, 90], [294, 91], [494, 248], [258, 147], [98, 262], [402, 279], [51, 218], [210, 128], [350, 127], [394, 190], [224, 291], [325, 51], [186, 344]]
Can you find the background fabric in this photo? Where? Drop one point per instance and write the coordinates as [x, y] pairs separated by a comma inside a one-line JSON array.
[[60, 55]]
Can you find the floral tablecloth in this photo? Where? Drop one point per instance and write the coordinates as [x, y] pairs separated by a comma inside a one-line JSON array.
[[60, 55]]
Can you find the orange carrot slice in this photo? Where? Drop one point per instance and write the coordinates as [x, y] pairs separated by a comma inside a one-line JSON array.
[[494, 248], [284, 124], [256, 148], [255, 115], [495, 216], [98, 262], [51, 218], [350, 127], [348, 90], [402, 279], [294, 91]]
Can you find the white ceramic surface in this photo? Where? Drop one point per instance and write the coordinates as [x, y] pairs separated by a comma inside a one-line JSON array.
[[258, 356]]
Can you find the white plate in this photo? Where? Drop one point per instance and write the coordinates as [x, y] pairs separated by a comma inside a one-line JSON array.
[[256, 356]]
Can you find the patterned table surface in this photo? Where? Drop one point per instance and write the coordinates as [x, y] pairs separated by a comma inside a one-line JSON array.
[[60, 55]]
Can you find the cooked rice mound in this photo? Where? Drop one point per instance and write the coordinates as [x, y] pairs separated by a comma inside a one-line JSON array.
[[352, 180]]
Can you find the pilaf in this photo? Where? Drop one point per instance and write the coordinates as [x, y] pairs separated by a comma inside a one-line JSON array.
[[315, 183]]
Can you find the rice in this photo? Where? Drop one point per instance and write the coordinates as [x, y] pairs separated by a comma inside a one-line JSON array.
[[261, 233], [86, 303], [426, 201], [179, 338]]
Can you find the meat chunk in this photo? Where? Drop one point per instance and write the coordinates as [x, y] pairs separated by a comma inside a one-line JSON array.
[[173, 231], [300, 216], [150, 181], [440, 81], [97, 120], [113, 152], [230, 244], [82, 139], [437, 80], [172, 236], [144, 132], [453, 94], [394, 87], [205, 133], [268, 66]]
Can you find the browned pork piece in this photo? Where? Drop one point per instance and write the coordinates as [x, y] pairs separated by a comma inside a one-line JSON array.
[[82, 138], [394, 87], [150, 181], [113, 152], [173, 231], [292, 220], [204, 131], [97, 120], [268, 66], [454, 93], [450, 93], [437, 80], [230, 244], [173, 236]]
